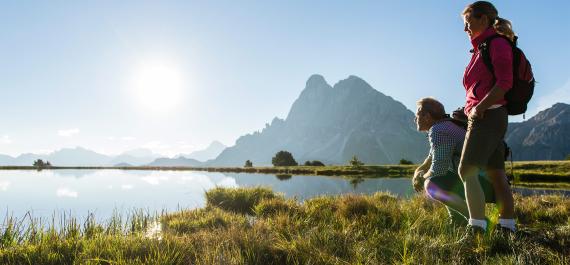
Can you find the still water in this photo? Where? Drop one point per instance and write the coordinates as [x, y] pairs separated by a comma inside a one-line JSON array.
[[80, 192]]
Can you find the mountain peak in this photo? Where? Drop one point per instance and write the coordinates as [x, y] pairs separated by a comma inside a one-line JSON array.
[[216, 144], [316, 80], [558, 110], [332, 124], [353, 82]]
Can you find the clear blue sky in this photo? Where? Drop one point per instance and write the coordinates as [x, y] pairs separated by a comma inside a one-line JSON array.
[[71, 72]]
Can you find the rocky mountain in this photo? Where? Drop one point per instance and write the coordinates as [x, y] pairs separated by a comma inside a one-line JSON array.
[[211, 152], [333, 123], [546, 136]]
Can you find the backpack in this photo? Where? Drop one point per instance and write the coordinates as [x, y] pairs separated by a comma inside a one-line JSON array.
[[523, 79]]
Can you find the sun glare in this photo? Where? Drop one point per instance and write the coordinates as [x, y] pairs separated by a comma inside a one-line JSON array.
[[158, 86]]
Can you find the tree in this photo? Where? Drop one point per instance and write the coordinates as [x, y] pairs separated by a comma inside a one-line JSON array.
[[39, 163], [355, 162], [283, 159], [248, 164], [568, 157], [314, 163], [406, 162]]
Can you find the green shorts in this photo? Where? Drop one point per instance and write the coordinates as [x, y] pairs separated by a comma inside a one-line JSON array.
[[484, 141]]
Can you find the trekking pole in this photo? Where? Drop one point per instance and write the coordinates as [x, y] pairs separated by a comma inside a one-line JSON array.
[[512, 171]]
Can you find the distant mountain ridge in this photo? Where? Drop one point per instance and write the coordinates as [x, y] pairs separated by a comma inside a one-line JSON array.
[[546, 136], [333, 123], [175, 162], [80, 156], [211, 152]]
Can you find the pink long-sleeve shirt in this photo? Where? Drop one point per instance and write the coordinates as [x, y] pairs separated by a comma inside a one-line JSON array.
[[478, 79]]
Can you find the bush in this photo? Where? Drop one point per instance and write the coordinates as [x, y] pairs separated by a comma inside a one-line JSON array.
[[314, 163], [283, 159], [355, 162], [248, 164], [406, 162], [568, 157], [238, 200]]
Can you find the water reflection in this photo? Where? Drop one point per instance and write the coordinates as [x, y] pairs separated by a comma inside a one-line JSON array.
[[283, 176], [103, 191]]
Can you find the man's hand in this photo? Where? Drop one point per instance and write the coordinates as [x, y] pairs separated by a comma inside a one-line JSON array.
[[418, 181]]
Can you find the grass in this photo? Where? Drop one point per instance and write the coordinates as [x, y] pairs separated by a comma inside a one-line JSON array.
[[542, 171], [256, 226]]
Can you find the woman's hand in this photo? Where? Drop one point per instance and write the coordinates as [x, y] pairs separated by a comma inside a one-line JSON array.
[[476, 113], [418, 181]]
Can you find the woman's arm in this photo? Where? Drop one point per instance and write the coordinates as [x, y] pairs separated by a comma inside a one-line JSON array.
[[494, 95]]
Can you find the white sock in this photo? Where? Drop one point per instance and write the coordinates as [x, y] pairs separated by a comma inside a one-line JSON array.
[[478, 222], [508, 223]]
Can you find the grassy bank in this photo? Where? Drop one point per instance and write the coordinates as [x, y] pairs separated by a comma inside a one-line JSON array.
[[256, 226], [542, 171], [524, 172]]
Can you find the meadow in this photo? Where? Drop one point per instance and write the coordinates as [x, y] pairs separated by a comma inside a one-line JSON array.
[[258, 226]]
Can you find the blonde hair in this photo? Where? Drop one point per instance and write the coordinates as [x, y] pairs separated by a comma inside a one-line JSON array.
[[502, 26], [431, 106]]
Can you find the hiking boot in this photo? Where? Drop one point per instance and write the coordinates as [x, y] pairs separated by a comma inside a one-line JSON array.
[[472, 234]]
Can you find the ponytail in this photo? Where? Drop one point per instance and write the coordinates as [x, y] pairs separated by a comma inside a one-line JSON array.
[[504, 27]]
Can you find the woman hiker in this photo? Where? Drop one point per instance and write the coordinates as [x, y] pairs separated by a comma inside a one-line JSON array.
[[483, 147]]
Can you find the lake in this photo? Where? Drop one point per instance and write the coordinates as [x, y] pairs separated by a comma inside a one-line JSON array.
[[80, 192]]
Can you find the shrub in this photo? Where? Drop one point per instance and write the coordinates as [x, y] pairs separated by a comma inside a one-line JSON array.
[[406, 162], [238, 200], [314, 163], [355, 162], [283, 159]]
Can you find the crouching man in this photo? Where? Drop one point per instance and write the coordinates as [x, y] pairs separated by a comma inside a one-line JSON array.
[[438, 174]]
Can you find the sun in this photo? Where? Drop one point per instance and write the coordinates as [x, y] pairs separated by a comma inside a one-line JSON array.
[[157, 86]]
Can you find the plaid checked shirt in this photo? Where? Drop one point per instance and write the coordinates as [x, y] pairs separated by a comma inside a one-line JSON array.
[[446, 142]]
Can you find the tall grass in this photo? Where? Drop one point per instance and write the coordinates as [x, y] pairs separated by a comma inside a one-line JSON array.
[[256, 226]]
